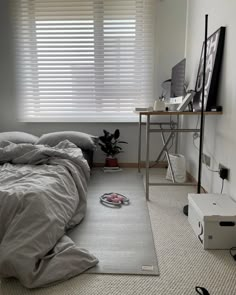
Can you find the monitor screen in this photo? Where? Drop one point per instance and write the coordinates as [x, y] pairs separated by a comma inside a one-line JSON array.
[[178, 79]]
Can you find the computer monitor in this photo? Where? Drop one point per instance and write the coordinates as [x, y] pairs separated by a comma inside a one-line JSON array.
[[178, 79]]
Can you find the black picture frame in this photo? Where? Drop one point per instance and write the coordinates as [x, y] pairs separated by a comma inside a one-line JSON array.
[[215, 47]]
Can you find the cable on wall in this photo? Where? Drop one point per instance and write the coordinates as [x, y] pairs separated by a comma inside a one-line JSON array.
[[222, 186]]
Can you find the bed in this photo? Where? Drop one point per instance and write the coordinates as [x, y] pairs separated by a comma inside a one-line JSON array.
[[43, 185]]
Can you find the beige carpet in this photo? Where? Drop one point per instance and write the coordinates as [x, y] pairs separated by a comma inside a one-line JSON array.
[[182, 261]]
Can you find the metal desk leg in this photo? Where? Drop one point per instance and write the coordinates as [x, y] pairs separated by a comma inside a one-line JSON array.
[[177, 136], [167, 156], [164, 147], [139, 141], [147, 156]]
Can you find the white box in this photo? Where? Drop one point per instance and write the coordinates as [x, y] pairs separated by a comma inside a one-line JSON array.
[[213, 219]]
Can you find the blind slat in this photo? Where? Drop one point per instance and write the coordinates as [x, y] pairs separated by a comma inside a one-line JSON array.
[[84, 60]]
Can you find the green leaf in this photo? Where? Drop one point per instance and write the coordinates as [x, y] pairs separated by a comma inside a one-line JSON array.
[[117, 133], [109, 143]]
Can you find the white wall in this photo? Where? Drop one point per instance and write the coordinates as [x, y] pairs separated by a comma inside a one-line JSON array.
[[219, 139], [171, 16], [171, 27]]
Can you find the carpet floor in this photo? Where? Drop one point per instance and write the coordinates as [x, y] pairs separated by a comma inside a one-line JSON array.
[[183, 262]]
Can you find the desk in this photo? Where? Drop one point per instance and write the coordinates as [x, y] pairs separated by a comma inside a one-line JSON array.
[[161, 130]]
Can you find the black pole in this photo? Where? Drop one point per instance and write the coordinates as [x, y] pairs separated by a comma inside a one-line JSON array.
[[202, 109], [185, 209]]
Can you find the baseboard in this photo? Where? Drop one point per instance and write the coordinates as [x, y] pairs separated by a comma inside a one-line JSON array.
[[135, 165], [190, 178], [162, 164]]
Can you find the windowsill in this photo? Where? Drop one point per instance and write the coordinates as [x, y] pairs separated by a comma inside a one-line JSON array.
[[99, 120]]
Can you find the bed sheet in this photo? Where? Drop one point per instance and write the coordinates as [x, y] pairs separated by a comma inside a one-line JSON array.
[[42, 195]]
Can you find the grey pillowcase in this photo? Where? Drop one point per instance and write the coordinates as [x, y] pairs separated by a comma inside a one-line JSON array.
[[18, 137], [83, 140]]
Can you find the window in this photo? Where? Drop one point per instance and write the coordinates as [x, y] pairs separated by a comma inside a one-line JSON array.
[[84, 60]]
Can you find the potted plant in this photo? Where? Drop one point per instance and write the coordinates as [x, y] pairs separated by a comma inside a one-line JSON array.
[[110, 145]]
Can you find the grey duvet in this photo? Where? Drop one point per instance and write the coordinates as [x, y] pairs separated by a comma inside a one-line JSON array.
[[42, 195]]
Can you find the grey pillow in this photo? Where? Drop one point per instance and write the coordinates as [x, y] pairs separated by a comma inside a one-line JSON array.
[[18, 137], [83, 140]]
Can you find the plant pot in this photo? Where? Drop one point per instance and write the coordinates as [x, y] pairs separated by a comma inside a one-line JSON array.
[[111, 162]]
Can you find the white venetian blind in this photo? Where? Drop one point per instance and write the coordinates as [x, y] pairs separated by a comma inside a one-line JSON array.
[[83, 60]]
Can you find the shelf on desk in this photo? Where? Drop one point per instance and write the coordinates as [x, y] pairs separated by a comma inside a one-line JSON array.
[[164, 113]]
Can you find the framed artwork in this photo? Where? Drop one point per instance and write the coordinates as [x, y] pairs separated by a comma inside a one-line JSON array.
[[215, 46]]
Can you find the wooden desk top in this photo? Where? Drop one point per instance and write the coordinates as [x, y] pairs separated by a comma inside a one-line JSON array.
[[165, 113]]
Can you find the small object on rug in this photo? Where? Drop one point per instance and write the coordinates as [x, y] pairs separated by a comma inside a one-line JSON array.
[[202, 291], [114, 199]]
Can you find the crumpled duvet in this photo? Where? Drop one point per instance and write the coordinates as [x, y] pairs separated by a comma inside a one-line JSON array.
[[42, 195]]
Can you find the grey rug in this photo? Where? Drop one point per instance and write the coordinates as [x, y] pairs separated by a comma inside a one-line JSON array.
[[121, 238]]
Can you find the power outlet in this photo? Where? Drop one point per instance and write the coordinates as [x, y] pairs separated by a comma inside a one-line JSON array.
[[223, 172], [206, 160]]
